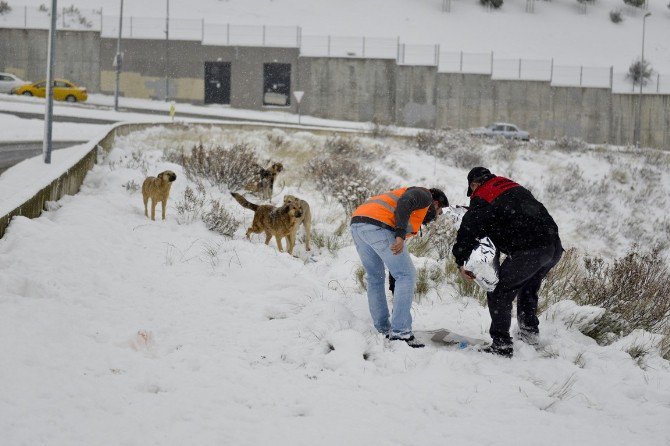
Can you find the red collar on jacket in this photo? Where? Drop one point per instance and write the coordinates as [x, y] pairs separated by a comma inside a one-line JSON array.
[[490, 190]]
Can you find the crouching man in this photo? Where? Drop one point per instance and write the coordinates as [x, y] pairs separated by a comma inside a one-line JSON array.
[[521, 228]]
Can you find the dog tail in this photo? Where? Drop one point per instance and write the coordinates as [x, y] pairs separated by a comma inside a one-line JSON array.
[[243, 201]]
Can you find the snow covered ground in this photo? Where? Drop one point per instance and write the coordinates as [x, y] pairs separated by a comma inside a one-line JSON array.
[[120, 330], [557, 29]]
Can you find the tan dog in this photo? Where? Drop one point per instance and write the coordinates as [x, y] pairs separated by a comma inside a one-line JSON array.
[[305, 220], [158, 189], [278, 222], [266, 180]]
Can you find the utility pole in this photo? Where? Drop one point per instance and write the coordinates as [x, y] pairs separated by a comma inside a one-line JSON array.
[[167, 44], [638, 124], [118, 61], [48, 114]]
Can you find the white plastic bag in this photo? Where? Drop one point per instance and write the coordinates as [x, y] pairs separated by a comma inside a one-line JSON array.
[[484, 263]]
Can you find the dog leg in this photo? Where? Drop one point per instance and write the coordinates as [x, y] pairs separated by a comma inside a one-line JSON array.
[[146, 200], [163, 203], [249, 231], [268, 236], [290, 242], [308, 234], [153, 209], [278, 238]]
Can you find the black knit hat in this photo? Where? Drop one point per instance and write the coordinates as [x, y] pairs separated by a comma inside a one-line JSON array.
[[440, 197], [478, 175]]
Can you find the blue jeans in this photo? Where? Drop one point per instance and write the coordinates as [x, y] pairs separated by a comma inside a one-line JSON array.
[[373, 244]]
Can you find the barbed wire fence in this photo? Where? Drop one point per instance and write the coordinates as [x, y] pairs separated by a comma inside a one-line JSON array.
[[404, 53]]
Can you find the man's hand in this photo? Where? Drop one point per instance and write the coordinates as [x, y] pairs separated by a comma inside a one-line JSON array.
[[467, 275], [397, 247]]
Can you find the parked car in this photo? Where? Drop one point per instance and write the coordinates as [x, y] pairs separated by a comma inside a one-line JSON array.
[[9, 82], [503, 129], [63, 90]]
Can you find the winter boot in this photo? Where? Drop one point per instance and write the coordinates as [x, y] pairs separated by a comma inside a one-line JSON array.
[[503, 350], [528, 337], [411, 341]]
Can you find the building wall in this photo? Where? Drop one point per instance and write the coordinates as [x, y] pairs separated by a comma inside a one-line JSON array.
[[343, 88], [24, 53], [349, 89]]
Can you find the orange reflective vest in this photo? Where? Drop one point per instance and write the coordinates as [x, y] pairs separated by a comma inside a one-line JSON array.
[[382, 208]]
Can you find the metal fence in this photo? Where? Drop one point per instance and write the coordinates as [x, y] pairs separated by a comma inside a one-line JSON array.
[[213, 33]]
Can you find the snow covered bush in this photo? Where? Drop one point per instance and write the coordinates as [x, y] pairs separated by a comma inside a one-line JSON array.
[[640, 71], [340, 146], [234, 166], [466, 158], [345, 180], [635, 3], [189, 208], [429, 141], [615, 16], [495, 4], [569, 145], [4, 7], [219, 220], [379, 130]]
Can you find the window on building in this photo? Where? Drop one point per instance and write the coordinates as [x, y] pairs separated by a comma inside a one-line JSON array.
[[277, 84]]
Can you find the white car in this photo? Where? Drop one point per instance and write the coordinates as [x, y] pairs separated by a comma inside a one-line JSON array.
[[8, 82], [503, 129]]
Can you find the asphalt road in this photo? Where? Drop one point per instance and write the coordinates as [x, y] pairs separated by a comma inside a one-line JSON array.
[[14, 152]]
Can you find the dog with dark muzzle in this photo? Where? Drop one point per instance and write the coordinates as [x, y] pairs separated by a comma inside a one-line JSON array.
[[158, 189]]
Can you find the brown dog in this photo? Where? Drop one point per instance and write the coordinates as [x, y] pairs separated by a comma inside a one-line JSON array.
[[158, 189], [266, 180], [278, 222], [305, 220]]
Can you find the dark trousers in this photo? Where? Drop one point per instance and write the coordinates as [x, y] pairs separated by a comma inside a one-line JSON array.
[[520, 277]]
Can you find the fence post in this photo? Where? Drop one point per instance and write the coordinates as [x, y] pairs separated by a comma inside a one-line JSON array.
[[202, 28], [397, 59], [227, 33], [658, 82], [25, 17], [298, 35], [519, 68], [404, 47], [329, 46], [460, 69], [437, 56], [581, 74], [491, 63], [363, 46], [131, 26], [63, 21], [263, 35], [551, 71], [611, 77]]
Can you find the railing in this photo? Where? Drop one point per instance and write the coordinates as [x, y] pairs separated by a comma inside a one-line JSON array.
[[212, 33]]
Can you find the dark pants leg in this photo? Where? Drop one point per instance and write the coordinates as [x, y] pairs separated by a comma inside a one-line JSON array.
[[391, 283], [520, 275]]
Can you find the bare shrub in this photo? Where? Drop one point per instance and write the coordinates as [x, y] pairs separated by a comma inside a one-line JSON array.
[[633, 289], [639, 71], [219, 220], [341, 146], [189, 208], [234, 166], [277, 138], [428, 277], [332, 243], [131, 186], [4, 7], [429, 141], [359, 275], [615, 16], [561, 281], [436, 240], [569, 145], [347, 181], [465, 158]]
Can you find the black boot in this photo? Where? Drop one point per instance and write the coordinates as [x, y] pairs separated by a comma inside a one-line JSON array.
[[504, 350], [411, 341]]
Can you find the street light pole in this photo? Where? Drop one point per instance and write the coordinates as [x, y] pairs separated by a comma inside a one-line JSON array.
[[118, 61], [638, 126], [167, 46], [48, 114]]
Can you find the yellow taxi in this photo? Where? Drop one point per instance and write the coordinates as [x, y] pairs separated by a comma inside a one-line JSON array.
[[63, 90]]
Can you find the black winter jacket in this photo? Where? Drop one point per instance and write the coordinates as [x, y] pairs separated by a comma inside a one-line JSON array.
[[509, 215]]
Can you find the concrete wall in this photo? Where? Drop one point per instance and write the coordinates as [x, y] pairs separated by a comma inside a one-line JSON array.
[[350, 89], [24, 53], [144, 70], [416, 96]]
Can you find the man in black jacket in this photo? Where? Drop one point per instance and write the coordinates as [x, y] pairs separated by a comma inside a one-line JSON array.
[[521, 228]]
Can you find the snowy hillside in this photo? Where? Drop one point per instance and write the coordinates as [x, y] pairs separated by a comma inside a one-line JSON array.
[[564, 30], [120, 330]]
